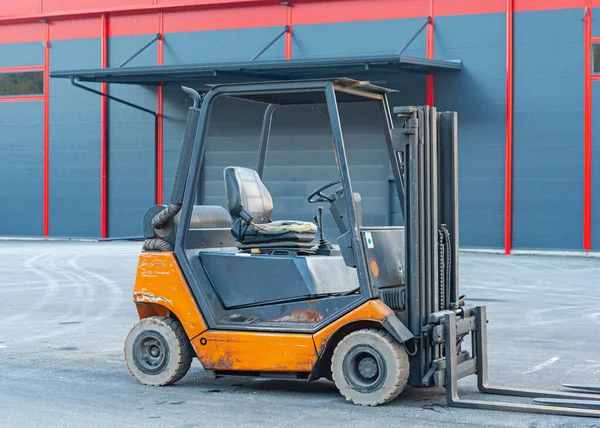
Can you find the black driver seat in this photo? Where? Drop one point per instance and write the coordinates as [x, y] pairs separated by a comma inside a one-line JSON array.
[[250, 205]]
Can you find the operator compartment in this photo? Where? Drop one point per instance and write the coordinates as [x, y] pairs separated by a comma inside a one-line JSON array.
[[243, 279]]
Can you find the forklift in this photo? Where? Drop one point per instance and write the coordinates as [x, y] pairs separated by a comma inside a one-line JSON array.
[[375, 311]]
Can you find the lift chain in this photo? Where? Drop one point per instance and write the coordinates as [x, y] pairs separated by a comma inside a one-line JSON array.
[[444, 258]]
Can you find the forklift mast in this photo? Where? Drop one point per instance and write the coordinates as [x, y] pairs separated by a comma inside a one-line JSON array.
[[424, 157]]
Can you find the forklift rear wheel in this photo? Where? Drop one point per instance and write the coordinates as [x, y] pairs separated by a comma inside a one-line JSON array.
[[157, 351], [370, 367]]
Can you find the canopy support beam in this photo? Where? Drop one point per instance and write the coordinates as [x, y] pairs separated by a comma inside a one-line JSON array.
[[139, 51], [285, 30], [412, 39]]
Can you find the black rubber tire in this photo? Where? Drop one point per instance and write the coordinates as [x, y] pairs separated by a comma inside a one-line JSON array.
[[178, 353], [393, 375]]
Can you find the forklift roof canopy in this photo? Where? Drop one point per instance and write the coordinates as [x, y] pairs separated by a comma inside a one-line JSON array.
[[261, 70]]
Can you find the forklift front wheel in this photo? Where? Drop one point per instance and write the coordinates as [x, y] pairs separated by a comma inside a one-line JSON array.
[[370, 367], [157, 351]]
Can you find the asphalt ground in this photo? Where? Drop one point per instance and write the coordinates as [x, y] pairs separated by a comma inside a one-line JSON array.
[[66, 308]]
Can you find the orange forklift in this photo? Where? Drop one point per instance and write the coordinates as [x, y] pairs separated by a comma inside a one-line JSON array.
[[375, 311]]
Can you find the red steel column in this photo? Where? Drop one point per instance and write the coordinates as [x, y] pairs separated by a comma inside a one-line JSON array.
[[430, 54], [288, 35], [47, 131], [159, 129], [103, 130], [587, 131], [509, 128]]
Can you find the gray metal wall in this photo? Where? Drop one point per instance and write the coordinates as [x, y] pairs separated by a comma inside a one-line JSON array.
[[596, 148], [21, 151], [548, 130], [221, 45], [74, 144], [477, 93], [131, 154], [355, 38], [21, 168]]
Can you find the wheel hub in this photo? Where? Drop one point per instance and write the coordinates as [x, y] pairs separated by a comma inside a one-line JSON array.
[[150, 352], [364, 368], [367, 367]]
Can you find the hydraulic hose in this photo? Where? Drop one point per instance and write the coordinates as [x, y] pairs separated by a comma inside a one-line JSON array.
[[157, 245]]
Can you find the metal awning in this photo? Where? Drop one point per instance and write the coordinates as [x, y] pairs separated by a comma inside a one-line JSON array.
[[245, 71]]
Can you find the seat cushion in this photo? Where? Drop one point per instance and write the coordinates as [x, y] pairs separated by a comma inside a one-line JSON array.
[[275, 227], [275, 231]]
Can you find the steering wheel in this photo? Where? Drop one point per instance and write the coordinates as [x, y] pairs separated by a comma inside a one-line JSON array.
[[319, 192]]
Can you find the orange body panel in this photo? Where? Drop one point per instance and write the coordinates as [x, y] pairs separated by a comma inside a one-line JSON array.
[[373, 310], [160, 287], [254, 351]]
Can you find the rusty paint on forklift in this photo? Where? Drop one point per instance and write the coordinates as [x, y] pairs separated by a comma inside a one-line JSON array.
[[373, 310], [160, 289], [255, 351]]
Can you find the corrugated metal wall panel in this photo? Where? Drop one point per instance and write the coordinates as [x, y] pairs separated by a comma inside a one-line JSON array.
[[74, 144], [548, 130], [21, 54], [131, 162], [21, 168], [222, 45], [354, 38], [595, 21], [477, 93]]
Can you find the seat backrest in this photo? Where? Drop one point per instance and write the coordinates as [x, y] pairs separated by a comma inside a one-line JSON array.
[[246, 191]]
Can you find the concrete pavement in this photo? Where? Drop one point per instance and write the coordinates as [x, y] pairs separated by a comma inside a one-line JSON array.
[[66, 309]]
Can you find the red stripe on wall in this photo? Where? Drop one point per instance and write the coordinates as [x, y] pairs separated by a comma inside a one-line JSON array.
[[225, 18], [46, 195], [53, 6], [468, 7], [509, 129], [22, 98], [358, 10], [528, 5], [103, 130], [21, 7], [77, 12], [126, 25], [80, 28], [159, 130], [22, 33], [587, 133], [21, 69]]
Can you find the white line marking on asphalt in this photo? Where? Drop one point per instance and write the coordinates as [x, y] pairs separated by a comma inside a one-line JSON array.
[[541, 366]]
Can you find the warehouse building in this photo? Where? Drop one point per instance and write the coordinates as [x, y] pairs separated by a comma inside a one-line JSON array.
[[520, 74]]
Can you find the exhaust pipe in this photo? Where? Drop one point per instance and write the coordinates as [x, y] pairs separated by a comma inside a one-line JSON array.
[[165, 216]]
